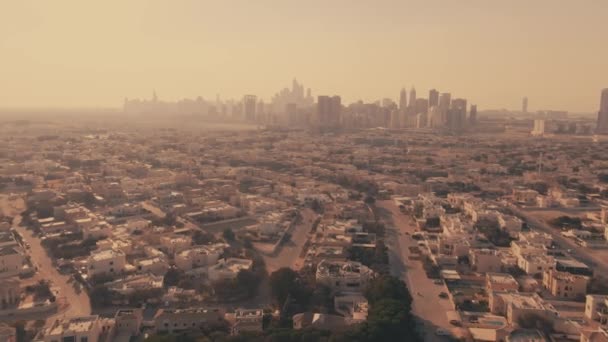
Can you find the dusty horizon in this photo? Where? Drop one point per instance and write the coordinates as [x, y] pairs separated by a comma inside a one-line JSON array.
[[73, 55]]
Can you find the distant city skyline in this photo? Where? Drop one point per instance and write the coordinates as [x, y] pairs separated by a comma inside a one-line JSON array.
[[64, 54]]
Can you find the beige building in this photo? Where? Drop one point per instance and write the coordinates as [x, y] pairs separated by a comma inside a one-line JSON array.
[[535, 263], [128, 321], [343, 276], [79, 329], [501, 282], [176, 320], [596, 309], [485, 260], [521, 307], [175, 243], [565, 285], [245, 320], [107, 261], [11, 261], [198, 256], [228, 268]]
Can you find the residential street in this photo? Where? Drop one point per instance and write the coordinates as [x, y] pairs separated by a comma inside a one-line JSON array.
[[78, 303], [427, 306], [289, 252]]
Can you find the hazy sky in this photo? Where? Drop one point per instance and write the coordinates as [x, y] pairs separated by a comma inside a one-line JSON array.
[[95, 53]]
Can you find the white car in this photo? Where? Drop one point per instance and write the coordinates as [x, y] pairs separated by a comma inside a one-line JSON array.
[[442, 332]]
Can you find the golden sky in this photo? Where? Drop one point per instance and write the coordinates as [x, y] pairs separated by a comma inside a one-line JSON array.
[[94, 53]]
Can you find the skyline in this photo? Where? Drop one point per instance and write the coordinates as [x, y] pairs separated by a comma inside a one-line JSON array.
[[492, 54]]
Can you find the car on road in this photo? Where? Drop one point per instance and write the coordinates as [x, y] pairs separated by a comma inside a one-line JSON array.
[[443, 295], [438, 282], [456, 323], [442, 332]]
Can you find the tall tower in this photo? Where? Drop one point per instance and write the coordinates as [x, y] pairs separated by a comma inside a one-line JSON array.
[[457, 114], [602, 115], [328, 110], [249, 107], [403, 99], [412, 97], [524, 105], [433, 98], [445, 101], [473, 115]]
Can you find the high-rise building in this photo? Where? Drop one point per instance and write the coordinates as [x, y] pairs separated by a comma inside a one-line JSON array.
[[524, 105], [329, 110], [403, 99], [457, 115], [539, 127], [445, 100], [433, 98], [249, 107], [421, 106], [602, 116], [473, 115], [412, 101], [434, 117]]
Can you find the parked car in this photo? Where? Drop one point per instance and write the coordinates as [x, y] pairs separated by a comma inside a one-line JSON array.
[[442, 332], [443, 295]]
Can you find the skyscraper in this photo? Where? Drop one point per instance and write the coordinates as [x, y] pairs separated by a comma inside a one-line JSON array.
[[445, 101], [433, 98], [249, 107], [412, 101], [457, 114], [602, 116], [473, 115], [328, 110], [421, 106], [524, 105], [403, 99]]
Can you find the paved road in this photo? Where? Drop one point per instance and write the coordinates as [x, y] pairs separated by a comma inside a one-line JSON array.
[[78, 302], [289, 253], [583, 254], [427, 306]]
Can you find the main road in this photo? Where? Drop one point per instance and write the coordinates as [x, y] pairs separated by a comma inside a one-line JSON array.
[[583, 254], [427, 306]]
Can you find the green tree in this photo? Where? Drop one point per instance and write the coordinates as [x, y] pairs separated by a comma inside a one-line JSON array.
[[228, 234]]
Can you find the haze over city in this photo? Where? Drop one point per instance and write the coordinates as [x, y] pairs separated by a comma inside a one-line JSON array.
[[75, 54], [304, 171]]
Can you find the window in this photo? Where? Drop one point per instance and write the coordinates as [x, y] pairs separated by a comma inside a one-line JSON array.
[[84, 339]]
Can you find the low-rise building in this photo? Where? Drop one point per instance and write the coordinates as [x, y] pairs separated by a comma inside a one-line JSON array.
[[535, 263], [245, 320], [485, 260], [228, 268], [108, 261], [501, 282], [521, 307], [198, 256], [177, 320], [343, 276], [565, 285], [11, 261], [80, 329]]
